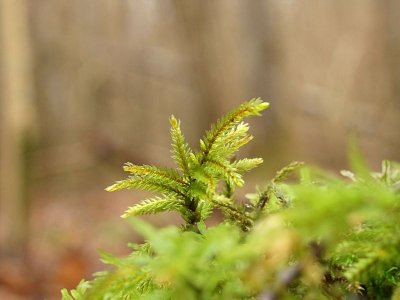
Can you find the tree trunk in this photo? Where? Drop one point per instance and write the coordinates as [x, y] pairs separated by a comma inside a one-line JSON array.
[[16, 112]]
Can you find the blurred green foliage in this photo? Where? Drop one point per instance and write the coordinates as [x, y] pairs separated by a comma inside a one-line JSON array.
[[324, 237]]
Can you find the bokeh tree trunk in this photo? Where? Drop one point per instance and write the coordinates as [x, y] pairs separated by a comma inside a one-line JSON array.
[[16, 112], [336, 65]]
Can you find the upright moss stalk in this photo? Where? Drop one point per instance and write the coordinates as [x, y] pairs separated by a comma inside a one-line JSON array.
[[192, 189]]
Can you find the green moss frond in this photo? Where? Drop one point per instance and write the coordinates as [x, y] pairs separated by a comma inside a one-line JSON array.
[[78, 293], [219, 132], [180, 149], [165, 173], [154, 205], [233, 212], [151, 178], [271, 190], [230, 142], [223, 169], [205, 209], [246, 164], [282, 174]]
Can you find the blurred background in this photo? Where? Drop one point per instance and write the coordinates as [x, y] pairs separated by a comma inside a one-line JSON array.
[[88, 85]]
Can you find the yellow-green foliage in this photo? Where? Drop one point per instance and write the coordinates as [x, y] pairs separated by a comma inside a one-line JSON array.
[[192, 189], [324, 237]]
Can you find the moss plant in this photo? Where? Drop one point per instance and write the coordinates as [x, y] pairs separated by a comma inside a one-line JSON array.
[[323, 237]]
